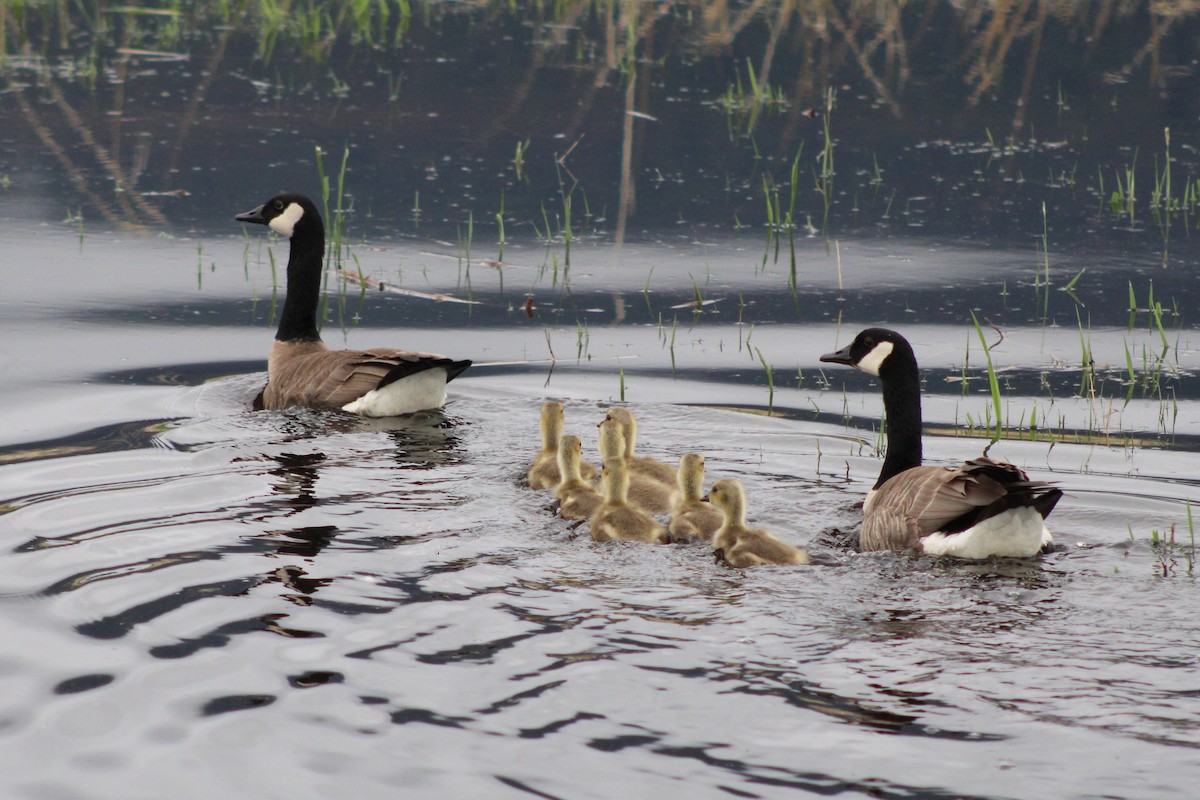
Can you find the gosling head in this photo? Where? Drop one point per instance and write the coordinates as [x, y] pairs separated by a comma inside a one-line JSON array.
[[729, 496], [624, 417], [289, 215]]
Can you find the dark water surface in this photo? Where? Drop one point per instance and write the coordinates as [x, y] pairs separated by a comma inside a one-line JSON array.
[[202, 601]]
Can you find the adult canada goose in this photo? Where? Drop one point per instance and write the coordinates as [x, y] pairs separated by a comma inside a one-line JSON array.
[[740, 546], [644, 492], [639, 465], [302, 371], [978, 509], [576, 497], [693, 519], [616, 519], [544, 473]]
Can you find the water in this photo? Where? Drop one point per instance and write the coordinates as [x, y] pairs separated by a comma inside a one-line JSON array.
[[199, 600]]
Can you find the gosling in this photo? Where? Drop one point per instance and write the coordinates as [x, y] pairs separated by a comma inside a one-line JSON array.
[[616, 519], [639, 465], [576, 497], [544, 473], [740, 546], [645, 493], [693, 519]]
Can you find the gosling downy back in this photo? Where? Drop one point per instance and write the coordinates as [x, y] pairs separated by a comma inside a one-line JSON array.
[[979, 509], [302, 371]]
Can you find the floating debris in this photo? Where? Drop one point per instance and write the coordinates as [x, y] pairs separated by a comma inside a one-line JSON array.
[[375, 283]]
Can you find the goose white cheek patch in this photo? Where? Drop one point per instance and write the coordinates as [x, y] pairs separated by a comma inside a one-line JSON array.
[[872, 361], [285, 223]]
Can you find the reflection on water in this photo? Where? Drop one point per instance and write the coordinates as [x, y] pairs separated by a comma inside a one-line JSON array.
[[299, 474], [615, 117], [110, 438]]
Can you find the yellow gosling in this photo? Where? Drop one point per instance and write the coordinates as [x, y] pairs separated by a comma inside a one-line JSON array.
[[577, 499], [616, 519], [741, 546], [693, 519], [544, 473], [644, 492], [639, 465]]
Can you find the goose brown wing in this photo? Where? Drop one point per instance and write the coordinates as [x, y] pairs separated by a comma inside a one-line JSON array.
[[888, 528], [352, 377], [922, 500], [1016, 488], [331, 379]]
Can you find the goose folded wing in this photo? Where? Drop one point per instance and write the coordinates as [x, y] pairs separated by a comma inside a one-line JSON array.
[[333, 379], [922, 500]]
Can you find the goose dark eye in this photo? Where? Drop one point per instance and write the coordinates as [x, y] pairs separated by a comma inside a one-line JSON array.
[[869, 342], [279, 205]]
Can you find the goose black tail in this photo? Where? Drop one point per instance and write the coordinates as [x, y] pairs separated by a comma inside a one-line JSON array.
[[1046, 500], [456, 368], [1019, 492], [422, 363]]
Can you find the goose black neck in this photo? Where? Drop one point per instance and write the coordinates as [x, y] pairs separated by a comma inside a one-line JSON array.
[[298, 321], [902, 406]]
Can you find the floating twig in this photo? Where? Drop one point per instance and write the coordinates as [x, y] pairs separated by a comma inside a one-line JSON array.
[[375, 283]]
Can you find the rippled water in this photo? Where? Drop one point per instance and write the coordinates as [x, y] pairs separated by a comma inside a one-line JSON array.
[[200, 600]]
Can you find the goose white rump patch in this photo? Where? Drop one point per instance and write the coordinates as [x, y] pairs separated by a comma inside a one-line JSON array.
[[285, 223], [417, 392], [1017, 533]]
